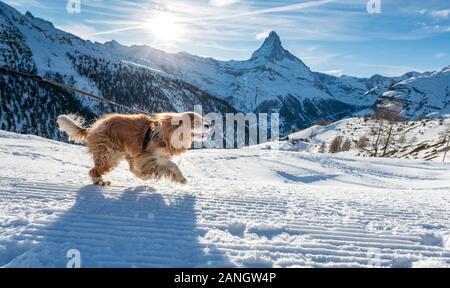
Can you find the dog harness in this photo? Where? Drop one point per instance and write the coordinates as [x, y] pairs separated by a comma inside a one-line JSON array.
[[149, 135]]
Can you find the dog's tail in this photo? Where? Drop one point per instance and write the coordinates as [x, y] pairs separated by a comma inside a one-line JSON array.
[[72, 125]]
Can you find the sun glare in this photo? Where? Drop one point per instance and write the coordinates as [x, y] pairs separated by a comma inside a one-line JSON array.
[[165, 27]]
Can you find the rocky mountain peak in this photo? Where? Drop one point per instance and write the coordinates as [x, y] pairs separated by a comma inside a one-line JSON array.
[[271, 49]]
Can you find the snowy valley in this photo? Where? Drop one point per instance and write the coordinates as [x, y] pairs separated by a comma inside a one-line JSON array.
[[292, 209], [341, 188]]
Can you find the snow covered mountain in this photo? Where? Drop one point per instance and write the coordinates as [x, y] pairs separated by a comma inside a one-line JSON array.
[[420, 95], [272, 80], [34, 45], [240, 208], [359, 91]]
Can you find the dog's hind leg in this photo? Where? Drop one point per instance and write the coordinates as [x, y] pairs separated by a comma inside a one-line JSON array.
[[104, 163]]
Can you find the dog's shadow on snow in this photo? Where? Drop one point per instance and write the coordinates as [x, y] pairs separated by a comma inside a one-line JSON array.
[[136, 228]]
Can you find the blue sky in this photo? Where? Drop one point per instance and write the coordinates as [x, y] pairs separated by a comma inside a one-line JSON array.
[[333, 36]]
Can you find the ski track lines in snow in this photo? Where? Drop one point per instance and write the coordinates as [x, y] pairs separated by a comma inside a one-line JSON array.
[[247, 208]]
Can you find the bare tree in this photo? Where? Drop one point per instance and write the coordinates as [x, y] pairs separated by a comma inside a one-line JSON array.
[[378, 132], [322, 122], [336, 144], [446, 147], [362, 143], [313, 135], [383, 113], [323, 148], [402, 140], [347, 145], [388, 139]]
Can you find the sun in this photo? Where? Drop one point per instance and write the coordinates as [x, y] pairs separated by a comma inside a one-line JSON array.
[[165, 27]]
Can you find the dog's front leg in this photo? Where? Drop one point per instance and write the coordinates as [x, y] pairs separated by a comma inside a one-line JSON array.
[[148, 166], [171, 171]]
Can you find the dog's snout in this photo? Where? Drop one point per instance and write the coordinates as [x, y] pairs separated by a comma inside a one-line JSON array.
[[207, 126]]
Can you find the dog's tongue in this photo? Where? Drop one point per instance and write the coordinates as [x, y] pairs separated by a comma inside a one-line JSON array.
[[200, 136]]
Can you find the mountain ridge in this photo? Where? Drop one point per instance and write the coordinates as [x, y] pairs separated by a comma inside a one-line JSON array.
[[33, 45], [272, 80]]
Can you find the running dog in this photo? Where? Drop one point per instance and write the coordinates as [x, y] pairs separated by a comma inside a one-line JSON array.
[[146, 142]]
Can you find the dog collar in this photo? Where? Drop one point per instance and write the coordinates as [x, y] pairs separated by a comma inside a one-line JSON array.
[[147, 138]]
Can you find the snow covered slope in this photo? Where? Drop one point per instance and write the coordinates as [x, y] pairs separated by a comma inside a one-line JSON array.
[[423, 139], [249, 207], [30, 44], [420, 95], [359, 91]]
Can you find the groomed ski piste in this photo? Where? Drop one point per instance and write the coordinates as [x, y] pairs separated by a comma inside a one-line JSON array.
[[241, 208]]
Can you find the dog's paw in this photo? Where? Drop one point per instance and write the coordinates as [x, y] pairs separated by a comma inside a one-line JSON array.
[[180, 180], [102, 182]]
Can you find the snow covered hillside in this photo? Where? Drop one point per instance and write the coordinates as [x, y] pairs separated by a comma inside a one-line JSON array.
[[30, 44], [419, 95], [423, 139], [249, 207]]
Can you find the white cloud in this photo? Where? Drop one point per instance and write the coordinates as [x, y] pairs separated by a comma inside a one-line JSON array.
[[443, 14], [337, 72], [440, 55], [86, 32], [205, 20], [421, 11], [388, 70], [24, 3], [278, 9], [440, 13], [263, 35], [222, 3], [311, 48]]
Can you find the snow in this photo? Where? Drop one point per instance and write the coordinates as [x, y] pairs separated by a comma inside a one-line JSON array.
[[272, 80], [272, 71], [423, 139], [241, 208], [420, 95]]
